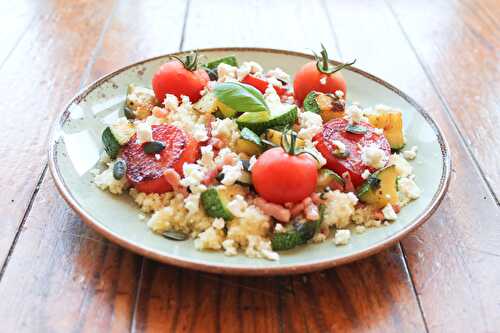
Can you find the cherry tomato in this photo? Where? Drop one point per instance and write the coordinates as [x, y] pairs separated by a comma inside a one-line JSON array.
[[261, 84], [280, 177], [145, 172], [319, 75], [180, 77], [353, 164]]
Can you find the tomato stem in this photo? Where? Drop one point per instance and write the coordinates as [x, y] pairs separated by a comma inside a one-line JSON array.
[[190, 62], [323, 64]]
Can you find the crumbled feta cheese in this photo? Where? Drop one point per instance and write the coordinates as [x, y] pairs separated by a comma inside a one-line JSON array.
[[171, 102], [226, 72], [403, 168], [193, 176], [410, 154], [225, 129], [142, 217], [231, 173], [199, 132], [237, 206], [218, 223], [106, 181], [342, 237], [251, 162], [366, 174], [355, 114], [259, 248], [210, 239], [378, 131], [310, 147], [271, 96], [157, 157], [279, 74], [389, 213], [373, 156], [279, 228], [339, 93], [192, 203], [144, 132], [359, 229], [207, 157], [229, 247], [323, 80], [310, 124], [339, 208], [408, 188]]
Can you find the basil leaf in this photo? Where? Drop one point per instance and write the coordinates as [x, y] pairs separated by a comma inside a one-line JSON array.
[[310, 103], [229, 60], [111, 145], [240, 97]]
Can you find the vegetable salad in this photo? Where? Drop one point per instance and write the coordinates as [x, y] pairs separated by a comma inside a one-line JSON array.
[[242, 160]]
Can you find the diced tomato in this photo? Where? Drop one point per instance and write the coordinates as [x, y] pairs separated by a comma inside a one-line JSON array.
[[145, 172], [261, 84], [336, 130]]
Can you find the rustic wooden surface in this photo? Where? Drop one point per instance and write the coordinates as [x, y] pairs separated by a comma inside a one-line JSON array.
[[57, 275]]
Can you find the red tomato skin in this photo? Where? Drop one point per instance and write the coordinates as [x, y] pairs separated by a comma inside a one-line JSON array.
[[261, 85], [308, 79], [335, 130], [281, 178], [173, 78], [145, 173]]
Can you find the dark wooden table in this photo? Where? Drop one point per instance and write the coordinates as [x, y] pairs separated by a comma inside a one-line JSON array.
[[57, 275]]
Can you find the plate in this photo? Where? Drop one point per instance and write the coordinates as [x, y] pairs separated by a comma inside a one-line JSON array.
[[75, 147]]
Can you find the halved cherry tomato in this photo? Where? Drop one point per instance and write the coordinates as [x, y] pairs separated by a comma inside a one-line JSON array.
[[145, 172], [180, 77], [261, 84], [280, 177], [319, 75], [336, 130]]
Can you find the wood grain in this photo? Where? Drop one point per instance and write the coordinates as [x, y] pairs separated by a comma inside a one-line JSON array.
[[460, 54], [49, 59], [454, 257]]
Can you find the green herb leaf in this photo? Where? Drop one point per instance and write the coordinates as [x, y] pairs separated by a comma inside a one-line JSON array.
[[175, 235], [153, 147], [111, 145], [119, 169], [241, 97], [310, 103], [356, 129], [229, 60]]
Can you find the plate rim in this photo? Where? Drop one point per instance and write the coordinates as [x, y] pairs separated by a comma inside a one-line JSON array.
[[65, 192]]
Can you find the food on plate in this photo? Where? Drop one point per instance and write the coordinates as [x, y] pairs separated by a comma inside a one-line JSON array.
[[229, 155]]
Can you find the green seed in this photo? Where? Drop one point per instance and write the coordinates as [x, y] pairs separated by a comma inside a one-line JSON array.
[[154, 147], [129, 114], [175, 235], [119, 169]]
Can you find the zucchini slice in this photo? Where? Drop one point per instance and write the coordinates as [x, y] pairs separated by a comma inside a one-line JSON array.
[[380, 188]]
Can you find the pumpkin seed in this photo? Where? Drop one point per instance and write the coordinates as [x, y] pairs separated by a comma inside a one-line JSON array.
[[154, 147], [356, 129], [175, 235], [129, 114], [119, 169]]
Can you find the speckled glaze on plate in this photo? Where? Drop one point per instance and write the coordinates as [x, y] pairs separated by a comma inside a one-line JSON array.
[[75, 146]]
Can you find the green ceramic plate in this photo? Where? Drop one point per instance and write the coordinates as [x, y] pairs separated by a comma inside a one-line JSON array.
[[75, 147]]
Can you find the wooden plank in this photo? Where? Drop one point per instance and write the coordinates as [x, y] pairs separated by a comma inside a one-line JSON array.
[[16, 17], [257, 304], [460, 54], [76, 280], [38, 77], [453, 258]]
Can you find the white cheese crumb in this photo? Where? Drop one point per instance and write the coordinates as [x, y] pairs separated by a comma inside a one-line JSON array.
[[193, 176], [171, 102], [251, 162], [378, 131], [389, 213], [373, 156], [323, 80], [231, 173], [237, 206], [310, 124], [410, 154], [218, 223], [279, 228], [365, 174], [142, 217], [278, 73], [144, 132], [157, 157], [192, 203], [354, 114], [339, 93], [229, 247], [342, 237], [226, 72], [359, 229], [408, 188]]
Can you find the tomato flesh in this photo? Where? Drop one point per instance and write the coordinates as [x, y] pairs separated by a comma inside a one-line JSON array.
[[308, 79], [353, 164], [173, 78], [261, 85], [280, 178], [145, 172]]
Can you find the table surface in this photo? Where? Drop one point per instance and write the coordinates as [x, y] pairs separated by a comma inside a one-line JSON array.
[[57, 275]]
